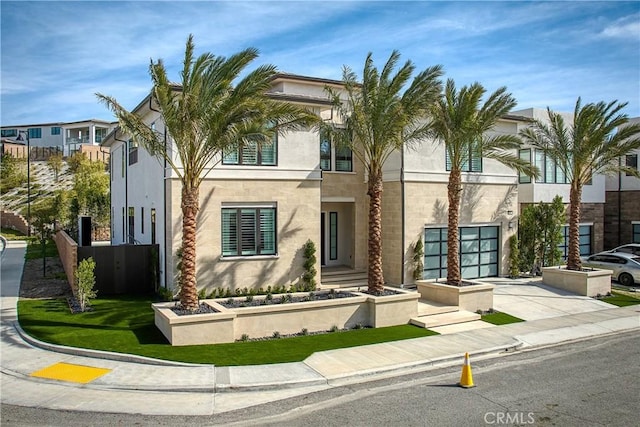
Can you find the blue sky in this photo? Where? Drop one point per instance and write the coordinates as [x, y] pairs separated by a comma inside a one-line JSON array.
[[56, 55]]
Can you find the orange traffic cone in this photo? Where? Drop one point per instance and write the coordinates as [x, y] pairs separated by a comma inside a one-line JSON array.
[[466, 379]]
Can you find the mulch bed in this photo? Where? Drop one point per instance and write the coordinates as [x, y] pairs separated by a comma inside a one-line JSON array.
[[52, 284]]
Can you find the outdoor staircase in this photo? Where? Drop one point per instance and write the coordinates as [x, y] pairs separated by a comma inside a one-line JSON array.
[[431, 315], [342, 277]]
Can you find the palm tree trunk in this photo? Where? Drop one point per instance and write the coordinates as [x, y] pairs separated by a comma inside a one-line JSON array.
[[375, 275], [573, 257], [453, 254], [188, 288]]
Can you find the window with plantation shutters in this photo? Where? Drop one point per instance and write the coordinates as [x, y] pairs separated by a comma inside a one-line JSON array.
[[253, 153], [248, 231], [471, 162]]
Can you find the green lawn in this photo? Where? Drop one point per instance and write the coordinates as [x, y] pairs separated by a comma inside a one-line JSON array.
[[125, 325], [621, 300], [34, 248], [498, 318], [11, 234]]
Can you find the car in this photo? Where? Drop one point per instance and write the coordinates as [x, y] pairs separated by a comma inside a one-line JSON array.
[[625, 267], [631, 248]]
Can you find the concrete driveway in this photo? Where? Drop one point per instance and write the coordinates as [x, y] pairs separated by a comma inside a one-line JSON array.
[[530, 299]]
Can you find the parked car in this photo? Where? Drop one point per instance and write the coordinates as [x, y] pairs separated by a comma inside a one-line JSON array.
[[631, 248], [625, 267]]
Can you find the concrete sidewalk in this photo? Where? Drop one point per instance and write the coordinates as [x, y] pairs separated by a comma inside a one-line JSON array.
[[145, 386]]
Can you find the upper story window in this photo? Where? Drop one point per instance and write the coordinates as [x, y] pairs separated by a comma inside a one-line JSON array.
[[472, 161], [35, 132], [525, 155], [9, 133], [101, 133], [56, 130], [550, 172], [342, 156], [631, 161], [133, 152], [248, 231], [253, 153]]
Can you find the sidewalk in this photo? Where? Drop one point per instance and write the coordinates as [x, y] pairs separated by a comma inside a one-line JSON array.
[[144, 386]]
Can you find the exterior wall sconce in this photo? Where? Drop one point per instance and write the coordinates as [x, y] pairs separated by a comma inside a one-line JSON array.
[[510, 225], [509, 212]]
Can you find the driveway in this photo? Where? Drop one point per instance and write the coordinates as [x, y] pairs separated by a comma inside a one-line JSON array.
[[530, 299]]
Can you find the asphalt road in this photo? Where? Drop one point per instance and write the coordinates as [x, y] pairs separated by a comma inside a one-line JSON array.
[[589, 383]]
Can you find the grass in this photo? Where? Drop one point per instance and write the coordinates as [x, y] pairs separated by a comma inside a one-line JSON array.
[[34, 248], [621, 300], [498, 318], [126, 325], [11, 234]]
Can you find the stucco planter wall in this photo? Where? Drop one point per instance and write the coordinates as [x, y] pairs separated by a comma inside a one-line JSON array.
[[471, 297], [589, 283], [230, 324]]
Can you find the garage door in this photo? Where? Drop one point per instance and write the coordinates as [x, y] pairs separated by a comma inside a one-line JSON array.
[[478, 252]]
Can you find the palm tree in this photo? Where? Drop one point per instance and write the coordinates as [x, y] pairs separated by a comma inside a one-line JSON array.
[[595, 142], [376, 119], [462, 124], [205, 115]]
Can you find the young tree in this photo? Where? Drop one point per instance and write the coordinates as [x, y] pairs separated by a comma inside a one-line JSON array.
[[599, 136], [55, 163], [380, 116], [204, 116], [462, 123]]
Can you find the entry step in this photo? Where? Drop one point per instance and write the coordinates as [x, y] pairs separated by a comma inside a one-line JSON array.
[[451, 318]]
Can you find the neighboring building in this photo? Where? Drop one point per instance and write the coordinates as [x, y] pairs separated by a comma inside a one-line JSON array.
[[622, 208], [258, 208], [553, 182], [68, 137]]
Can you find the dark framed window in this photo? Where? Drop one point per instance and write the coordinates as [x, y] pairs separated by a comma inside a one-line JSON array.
[[253, 153], [35, 133], [472, 161], [248, 231], [550, 171], [636, 233], [631, 161], [344, 159], [525, 154], [333, 235], [141, 220], [325, 152], [585, 241], [56, 130], [9, 133], [133, 152], [153, 226], [132, 213]]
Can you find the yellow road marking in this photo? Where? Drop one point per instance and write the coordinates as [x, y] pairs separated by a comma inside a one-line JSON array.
[[72, 373]]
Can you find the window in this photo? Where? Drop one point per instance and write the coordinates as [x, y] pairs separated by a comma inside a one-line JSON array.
[[333, 235], [471, 162], [253, 153], [631, 162], [9, 133], [248, 231], [56, 130], [133, 152], [325, 152], [636, 233], [585, 241], [550, 171], [101, 133], [35, 133], [344, 159], [142, 220], [526, 156], [153, 226], [132, 213]]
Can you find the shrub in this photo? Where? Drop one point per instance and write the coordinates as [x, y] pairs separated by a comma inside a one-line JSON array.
[[334, 328], [418, 260], [165, 294], [309, 265], [304, 331], [276, 335], [244, 338], [514, 257], [86, 280]]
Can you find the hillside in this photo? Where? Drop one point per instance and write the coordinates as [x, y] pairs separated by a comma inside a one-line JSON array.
[[43, 183]]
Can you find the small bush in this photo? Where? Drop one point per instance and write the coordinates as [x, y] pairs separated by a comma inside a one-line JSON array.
[[165, 294], [276, 335], [358, 326], [304, 332], [249, 298], [244, 338], [334, 328]]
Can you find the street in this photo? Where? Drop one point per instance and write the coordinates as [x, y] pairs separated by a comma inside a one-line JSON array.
[[591, 382]]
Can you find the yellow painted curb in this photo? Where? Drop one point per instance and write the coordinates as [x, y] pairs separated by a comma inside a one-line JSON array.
[[72, 373]]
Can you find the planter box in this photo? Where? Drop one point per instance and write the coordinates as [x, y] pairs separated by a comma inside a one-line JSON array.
[[588, 283], [471, 297], [230, 324]]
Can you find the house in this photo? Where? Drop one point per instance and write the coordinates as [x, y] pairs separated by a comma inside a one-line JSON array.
[[553, 182], [260, 206], [622, 206], [68, 137]]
